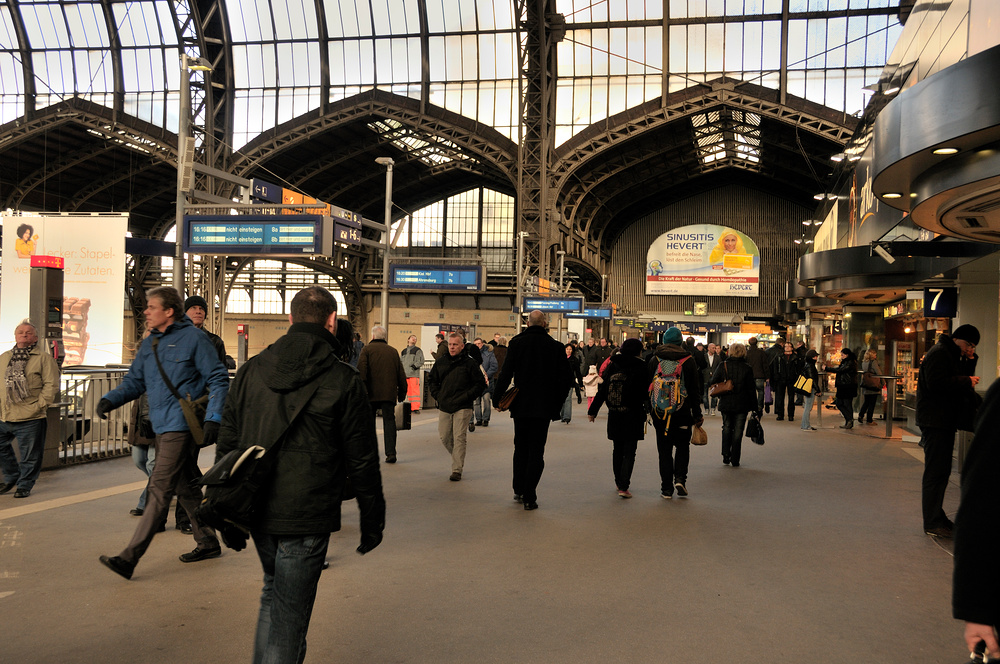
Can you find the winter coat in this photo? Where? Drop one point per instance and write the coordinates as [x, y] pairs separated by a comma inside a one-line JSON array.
[[757, 361], [809, 370], [489, 362], [873, 367], [382, 372], [333, 439], [846, 381], [455, 382], [500, 353], [591, 383], [943, 388], [690, 411], [442, 350], [743, 398], [784, 369], [412, 359], [630, 424], [41, 373], [192, 365], [537, 365]]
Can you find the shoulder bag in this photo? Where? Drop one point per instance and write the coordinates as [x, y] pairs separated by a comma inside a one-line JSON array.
[[194, 409], [724, 387], [507, 399], [869, 380]]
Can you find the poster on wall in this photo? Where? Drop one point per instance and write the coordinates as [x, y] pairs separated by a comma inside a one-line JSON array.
[[93, 250], [703, 259]]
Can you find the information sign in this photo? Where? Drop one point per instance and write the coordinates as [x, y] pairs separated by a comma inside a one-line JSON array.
[[346, 234], [233, 235], [265, 191], [593, 313], [429, 277], [553, 304]]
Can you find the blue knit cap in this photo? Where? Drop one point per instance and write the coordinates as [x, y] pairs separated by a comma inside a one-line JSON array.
[[673, 336]]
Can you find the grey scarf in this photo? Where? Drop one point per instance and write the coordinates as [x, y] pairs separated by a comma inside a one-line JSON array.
[[17, 382]]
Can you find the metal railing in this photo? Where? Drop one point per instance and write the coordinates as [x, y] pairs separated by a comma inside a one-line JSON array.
[[82, 436]]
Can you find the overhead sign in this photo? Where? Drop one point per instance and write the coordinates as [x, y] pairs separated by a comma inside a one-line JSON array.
[[553, 304], [703, 259], [265, 191], [593, 313], [430, 277], [940, 302], [237, 235]]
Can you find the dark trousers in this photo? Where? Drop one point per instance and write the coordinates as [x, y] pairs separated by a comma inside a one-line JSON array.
[[868, 407], [673, 445], [173, 471], [623, 461], [530, 434], [846, 407], [732, 436], [939, 446], [388, 409], [30, 437], [783, 393]]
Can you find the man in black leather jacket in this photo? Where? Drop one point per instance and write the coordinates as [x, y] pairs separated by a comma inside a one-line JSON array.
[[327, 434]]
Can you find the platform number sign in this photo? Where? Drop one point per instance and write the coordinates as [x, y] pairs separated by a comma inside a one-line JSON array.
[[940, 302]]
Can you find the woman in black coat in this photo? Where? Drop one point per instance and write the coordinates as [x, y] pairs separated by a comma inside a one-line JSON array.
[[627, 422], [735, 405], [846, 382]]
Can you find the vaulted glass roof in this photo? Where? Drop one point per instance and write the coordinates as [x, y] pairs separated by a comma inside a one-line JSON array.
[[289, 57]]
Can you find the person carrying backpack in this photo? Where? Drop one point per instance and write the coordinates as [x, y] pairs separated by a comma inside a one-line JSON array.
[[675, 403], [623, 389]]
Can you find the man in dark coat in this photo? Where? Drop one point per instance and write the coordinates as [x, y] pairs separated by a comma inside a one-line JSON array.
[[784, 371], [673, 433], [332, 438], [942, 390], [455, 381], [538, 366], [757, 361], [976, 590], [382, 372]]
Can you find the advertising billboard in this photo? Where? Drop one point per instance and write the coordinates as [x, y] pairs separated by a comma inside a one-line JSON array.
[[703, 259], [93, 250]]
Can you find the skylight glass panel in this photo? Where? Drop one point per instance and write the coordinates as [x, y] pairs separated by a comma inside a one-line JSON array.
[[138, 24], [294, 19], [45, 26], [349, 18], [87, 27]]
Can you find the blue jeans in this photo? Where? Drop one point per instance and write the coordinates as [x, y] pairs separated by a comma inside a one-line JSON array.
[[759, 383], [292, 566], [144, 458], [30, 437], [566, 414], [807, 406], [482, 407], [733, 425]]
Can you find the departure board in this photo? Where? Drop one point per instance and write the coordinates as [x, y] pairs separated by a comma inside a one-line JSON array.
[[553, 304], [230, 235], [430, 277]]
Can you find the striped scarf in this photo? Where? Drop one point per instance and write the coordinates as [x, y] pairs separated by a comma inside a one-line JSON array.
[[17, 382]]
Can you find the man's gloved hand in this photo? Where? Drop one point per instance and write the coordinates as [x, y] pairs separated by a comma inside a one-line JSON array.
[[103, 408], [211, 436], [368, 542]]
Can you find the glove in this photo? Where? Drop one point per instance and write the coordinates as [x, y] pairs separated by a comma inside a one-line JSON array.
[[233, 537], [103, 408], [211, 436], [368, 542]]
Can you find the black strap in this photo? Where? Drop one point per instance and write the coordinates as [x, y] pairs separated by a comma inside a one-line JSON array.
[[163, 374], [310, 391]]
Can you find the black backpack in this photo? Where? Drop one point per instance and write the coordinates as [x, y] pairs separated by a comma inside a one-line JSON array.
[[616, 400]]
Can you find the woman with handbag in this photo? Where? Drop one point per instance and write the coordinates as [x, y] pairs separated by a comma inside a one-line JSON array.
[[846, 382], [811, 382], [736, 402], [871, 385]]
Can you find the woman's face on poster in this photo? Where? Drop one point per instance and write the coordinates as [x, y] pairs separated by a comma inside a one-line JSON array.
[[730, 243]]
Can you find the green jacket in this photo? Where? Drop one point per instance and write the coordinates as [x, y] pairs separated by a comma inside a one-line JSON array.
[[42, 374]]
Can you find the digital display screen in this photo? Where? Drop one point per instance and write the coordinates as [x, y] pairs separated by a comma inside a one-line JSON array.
[[553, 304], [253, 234], [470, 278]]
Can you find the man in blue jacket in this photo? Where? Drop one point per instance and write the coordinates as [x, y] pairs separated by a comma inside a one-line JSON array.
[[192, 365]]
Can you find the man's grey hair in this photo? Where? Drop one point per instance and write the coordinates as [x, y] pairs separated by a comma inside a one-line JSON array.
[[29, 324], [378, 332]]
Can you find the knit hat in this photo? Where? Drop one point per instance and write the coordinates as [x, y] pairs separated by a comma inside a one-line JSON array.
[[196, 301], [631, 347], [966, 333], [672, 336]]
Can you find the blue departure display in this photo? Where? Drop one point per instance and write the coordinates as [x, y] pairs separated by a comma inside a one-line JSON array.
[[553, 304], [253, 234], [436, 278], [596, 314]]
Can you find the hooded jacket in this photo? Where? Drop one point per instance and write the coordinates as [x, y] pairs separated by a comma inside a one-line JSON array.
[[332, 439], [191, 363], [690, 411]]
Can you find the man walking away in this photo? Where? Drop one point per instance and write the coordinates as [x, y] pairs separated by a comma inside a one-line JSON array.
[[178, 352], [482, 402], [455, 381], [757, 361], [298, 390], [382, 372], [31, 378], [537, 365]]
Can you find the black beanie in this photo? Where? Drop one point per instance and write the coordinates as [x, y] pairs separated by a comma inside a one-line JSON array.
[[196, 301], [966, 333]]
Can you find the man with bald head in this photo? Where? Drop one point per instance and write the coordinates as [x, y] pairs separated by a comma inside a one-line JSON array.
[[31, 383], [536, 363]]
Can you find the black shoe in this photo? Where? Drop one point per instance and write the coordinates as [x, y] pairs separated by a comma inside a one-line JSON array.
[[682, 491], [472, 426], [530, 505], [391, 458], [780, 418], [736, 464], [579, 400], [479, 423], [136, 512], [118, 566], [162, 528], [5, 487], [767, 408], [186, 528], [485, 423], [518, 498], [725, 461], [940, 532], [455, 477], [22, 493], [201, 554]]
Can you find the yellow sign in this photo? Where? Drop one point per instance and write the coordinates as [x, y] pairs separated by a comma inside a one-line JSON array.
[[737, 262]]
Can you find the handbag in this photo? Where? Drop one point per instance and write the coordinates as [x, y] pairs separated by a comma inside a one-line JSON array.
[[403, 416], [724, 387], [870, 381], [507, 399], [699, 436], [231, 485], [804, 384], [755, 432], [768, 395], [194, 410]]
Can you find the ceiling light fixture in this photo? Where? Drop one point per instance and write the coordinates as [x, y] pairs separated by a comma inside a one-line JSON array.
[[838, 157], [946, 151], [892, 194]]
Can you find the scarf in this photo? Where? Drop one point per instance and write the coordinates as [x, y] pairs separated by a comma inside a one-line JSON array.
[[17, 382]]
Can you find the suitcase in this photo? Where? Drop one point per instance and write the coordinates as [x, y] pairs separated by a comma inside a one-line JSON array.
[[403, 416]]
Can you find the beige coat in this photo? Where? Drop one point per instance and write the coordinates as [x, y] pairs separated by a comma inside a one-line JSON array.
[[42, 373]]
